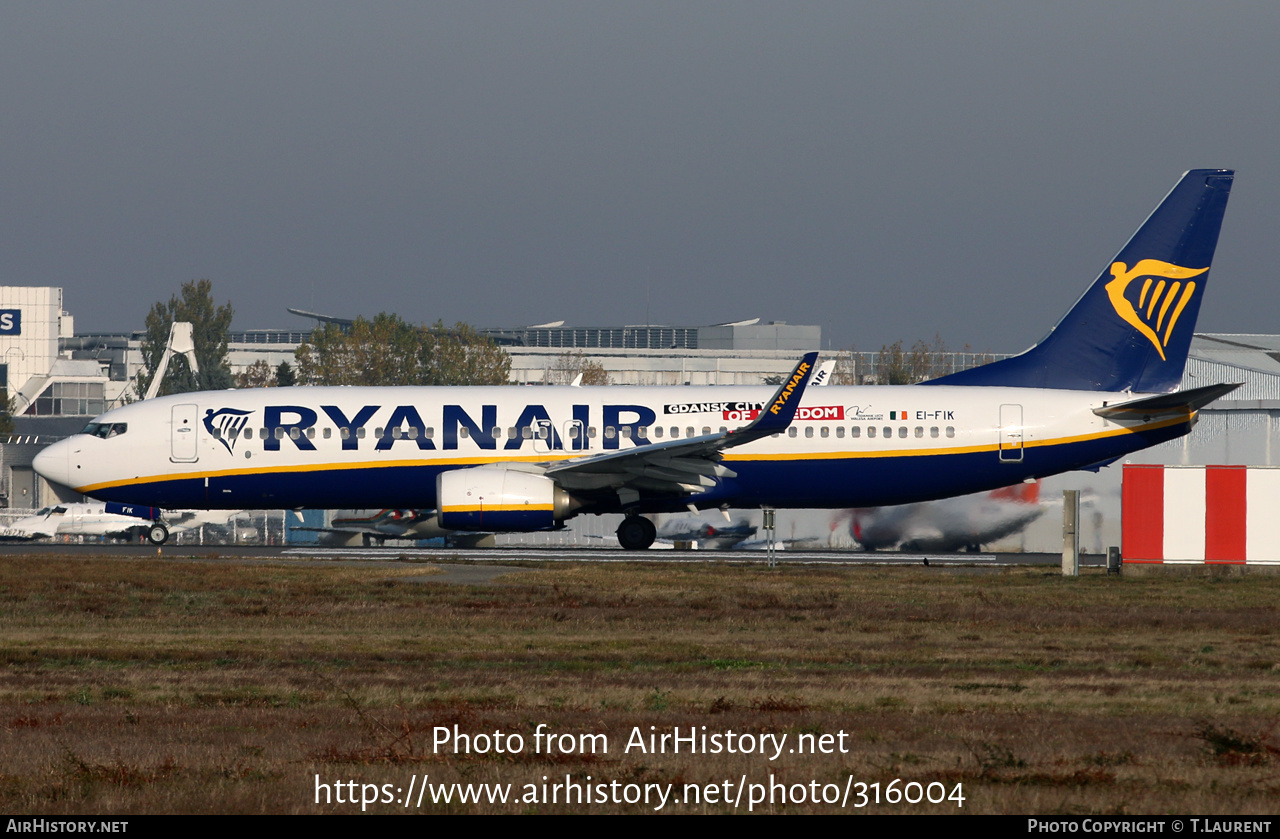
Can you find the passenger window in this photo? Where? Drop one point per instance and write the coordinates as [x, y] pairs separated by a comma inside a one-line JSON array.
[[706, 430], [360, 433], [511, 433], [328, 432], [933, 431], [431, 432], [840, 431], [626, 431], [311, 433], [825, 432], [610, 432], [902, 431], [657, 432], [396, 432], [919, 431], [675, 432], [791, 432], [497, 433], [808, 431], [888, 432], [345, 432], [951, 431], [642, 432], [526, 433], [871, 431], [262, 433], [688, 432], [591, 432], [464, 432], [294, 433], [855, 431], [217, 433]]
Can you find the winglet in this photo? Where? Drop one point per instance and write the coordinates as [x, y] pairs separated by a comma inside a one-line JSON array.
[[822, 377], [781, 409]]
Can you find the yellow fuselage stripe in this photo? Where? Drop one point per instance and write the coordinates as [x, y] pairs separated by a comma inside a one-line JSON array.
[[544, 458]]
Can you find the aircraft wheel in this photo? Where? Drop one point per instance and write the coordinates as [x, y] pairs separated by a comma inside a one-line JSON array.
[[157, 534], [636, 533]]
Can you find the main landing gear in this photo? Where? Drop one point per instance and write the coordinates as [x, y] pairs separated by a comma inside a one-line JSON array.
[[157, 534], [636, 533]]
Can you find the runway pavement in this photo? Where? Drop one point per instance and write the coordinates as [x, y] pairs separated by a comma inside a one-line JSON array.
[[399, 555]]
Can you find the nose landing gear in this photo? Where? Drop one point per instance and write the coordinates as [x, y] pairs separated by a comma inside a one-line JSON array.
[[157, 534]]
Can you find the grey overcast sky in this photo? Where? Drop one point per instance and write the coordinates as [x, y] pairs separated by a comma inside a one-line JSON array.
[[887, 170]]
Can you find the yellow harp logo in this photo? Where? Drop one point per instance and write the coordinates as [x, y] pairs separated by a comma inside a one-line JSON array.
[[1160, 301]]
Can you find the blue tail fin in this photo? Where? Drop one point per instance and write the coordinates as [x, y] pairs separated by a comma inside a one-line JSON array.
[[1131, 330]]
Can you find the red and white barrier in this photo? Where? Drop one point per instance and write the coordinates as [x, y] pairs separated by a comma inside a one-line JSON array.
[[1211, 514]]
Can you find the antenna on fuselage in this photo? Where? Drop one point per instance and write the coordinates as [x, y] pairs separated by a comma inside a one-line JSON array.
[[180, 341]]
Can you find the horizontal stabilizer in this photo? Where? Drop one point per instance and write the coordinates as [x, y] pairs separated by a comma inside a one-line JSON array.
[[1167, 404]]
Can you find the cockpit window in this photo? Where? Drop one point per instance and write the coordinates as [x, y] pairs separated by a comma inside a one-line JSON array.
[[105, 429]]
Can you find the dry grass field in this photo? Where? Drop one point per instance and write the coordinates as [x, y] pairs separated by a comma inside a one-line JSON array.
[[161, 686]]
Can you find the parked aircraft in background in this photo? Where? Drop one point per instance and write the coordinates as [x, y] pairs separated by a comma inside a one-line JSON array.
[[950, 524], [495, 459], [714, 535], [88, 519], [369, 526]]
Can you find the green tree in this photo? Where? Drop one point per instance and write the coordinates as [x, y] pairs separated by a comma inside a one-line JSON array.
[[285, 376], [389, 351], [570, 364], [6, 412], [895, 366], [257, 374], [210, 325]]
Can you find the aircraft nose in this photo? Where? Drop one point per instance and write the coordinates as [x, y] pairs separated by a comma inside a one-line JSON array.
[[53, 463]]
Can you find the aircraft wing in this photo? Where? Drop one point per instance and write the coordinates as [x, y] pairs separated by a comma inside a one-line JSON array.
[[682, 467]]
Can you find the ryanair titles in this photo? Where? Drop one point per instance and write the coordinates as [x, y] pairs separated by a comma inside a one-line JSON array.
[[296, 425], [802, 370]]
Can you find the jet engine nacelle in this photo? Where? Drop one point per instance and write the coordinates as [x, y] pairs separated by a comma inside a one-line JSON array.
[[500, 500]]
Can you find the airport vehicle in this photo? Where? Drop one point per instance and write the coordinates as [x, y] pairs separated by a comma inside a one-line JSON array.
[[493, 459], [86, 519], [966, 522]]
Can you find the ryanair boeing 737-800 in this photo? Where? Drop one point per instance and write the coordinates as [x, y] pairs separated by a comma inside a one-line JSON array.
[[493, 459]]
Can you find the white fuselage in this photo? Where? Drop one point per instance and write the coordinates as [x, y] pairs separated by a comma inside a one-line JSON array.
[[350, 447]]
